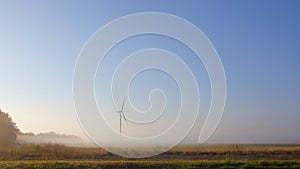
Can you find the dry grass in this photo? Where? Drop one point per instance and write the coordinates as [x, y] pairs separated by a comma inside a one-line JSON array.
[[60, 152], [52, 152], [206, 156], [142, 164]]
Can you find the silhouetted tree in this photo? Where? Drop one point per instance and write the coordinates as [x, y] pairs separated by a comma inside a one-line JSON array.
[[8, 130]]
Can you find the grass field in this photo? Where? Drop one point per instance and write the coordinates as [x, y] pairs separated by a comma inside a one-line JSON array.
[[208, 156], [152, 164]]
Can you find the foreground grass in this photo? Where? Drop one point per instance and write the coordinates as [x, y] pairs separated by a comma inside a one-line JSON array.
[[143, 164], [206, 152], [208, 156]]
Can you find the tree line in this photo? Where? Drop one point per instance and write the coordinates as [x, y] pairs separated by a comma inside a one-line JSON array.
[[8, 131]]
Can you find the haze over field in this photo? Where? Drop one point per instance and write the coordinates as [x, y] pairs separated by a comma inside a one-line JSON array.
[[257, 41]]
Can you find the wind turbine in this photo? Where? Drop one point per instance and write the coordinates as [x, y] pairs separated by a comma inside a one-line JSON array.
[[122, 115]]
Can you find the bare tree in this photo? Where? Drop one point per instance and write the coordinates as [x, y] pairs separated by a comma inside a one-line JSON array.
[[8, 130]]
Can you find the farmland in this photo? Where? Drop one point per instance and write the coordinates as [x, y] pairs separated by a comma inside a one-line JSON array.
[[206, 156]]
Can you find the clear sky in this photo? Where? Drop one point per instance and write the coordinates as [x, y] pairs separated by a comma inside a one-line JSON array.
[[258, 43]]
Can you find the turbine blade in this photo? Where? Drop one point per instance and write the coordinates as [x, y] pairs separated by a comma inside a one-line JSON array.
[[124, 117], [115, 107], [123, 104]]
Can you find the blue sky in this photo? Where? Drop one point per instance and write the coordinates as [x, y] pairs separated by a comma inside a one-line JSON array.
[[258, 43]]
